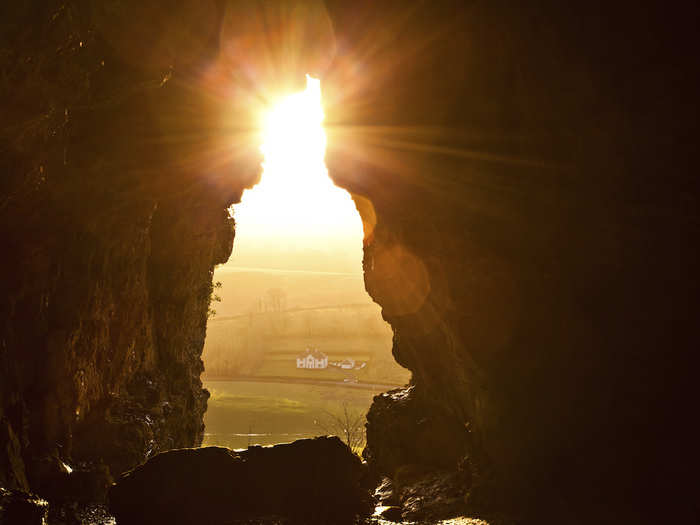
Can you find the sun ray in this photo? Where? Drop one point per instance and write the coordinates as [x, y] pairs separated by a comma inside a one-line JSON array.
[[295, 203]]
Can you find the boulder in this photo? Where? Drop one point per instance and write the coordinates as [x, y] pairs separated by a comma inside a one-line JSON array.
[[61, 483], [405, 428], [308, 481]]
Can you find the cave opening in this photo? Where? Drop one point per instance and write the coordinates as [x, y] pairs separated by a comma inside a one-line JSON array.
[[295, 346]]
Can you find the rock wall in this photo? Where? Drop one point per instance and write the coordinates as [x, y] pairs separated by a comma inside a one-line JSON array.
[[115, 189], [525, 176], [128, 129]]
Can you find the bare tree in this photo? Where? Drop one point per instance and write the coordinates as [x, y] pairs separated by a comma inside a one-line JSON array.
[[276, 299], [346, 423]]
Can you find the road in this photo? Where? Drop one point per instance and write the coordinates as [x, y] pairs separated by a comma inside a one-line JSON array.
[[378, 387]]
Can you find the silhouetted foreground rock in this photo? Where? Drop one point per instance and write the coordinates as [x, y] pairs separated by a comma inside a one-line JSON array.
[[402, 431], [309, 481]]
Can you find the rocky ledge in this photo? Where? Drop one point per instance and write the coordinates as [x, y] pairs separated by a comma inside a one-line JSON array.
[[308, 481], [22, 508]]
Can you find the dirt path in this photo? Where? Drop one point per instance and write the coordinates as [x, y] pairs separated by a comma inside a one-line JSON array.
[[304, 381]]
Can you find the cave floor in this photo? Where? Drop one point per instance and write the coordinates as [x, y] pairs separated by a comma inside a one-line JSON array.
[[98, 515]]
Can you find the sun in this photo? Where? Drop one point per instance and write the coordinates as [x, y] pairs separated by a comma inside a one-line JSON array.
[[295, 199], [294, 142]]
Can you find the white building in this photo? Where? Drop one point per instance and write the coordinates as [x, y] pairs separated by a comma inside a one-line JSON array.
[[312, 359]]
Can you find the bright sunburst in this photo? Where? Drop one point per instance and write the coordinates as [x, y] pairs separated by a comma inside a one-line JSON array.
[[295, 200], [294, 142]]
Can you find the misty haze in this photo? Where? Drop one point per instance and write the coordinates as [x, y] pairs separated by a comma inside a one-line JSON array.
[[295, 346]]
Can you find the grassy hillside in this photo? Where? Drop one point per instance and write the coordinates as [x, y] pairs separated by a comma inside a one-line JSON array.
[[242, 289], [243, 413], [266, 342]]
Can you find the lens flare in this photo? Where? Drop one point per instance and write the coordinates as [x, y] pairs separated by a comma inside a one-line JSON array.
[[294, 141], [295, 203]]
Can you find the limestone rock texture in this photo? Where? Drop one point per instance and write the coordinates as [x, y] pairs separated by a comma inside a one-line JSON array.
[[527, 180], [117, 172]]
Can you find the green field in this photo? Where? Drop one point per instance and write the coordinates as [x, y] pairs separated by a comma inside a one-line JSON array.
[[266, 319], [241, 290], [274, 317], [241, 348], [242, 413]]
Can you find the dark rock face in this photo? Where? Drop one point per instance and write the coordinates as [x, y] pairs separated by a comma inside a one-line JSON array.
[[309, 481], [22, 508], [404, 431], [527, 182], [128, 130], [424, 496], [113, 214]]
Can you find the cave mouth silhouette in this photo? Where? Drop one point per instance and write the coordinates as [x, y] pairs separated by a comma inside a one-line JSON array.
[[301, 317]]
